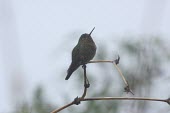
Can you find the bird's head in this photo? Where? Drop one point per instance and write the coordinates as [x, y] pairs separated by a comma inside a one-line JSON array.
[[86, 36]]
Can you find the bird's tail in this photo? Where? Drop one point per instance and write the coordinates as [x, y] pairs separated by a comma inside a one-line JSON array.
[[70, 70]]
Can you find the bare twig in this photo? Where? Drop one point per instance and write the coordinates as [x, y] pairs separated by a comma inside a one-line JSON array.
[[86, 82], [106, 61], [57, 110], [127, 89], [77, 100], [126, 98], [114, 98], [101, 61], [115, 62], [124, 80]]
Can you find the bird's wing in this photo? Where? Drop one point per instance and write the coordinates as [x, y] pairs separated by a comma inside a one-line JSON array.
[[75, 54]]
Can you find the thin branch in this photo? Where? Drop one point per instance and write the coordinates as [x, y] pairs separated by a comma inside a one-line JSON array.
[[127, 89], [57, 110], [86, 85], [115, 62], [124, 80], [77, 100], [106, 61], [101, 61], [125, 98], [114, 98]]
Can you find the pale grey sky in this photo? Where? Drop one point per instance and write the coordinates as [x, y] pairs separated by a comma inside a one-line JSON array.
[[35, 36]]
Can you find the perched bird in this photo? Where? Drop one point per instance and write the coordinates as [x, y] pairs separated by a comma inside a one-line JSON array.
[[82, 53]]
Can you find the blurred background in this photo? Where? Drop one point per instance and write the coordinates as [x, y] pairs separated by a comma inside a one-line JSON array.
[[37, 37]]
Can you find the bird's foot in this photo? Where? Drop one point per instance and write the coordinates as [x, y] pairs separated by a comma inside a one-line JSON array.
[[84, 66]]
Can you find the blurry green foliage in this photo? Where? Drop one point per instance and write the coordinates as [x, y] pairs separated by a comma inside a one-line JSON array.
[[38, 105]]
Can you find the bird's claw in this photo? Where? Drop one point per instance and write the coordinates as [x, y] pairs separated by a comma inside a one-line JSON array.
[[84, 66]]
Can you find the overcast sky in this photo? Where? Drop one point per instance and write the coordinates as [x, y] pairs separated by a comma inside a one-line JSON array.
[[35, 36]]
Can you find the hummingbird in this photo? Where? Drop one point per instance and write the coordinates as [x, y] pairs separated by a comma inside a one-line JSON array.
[[82, 53]]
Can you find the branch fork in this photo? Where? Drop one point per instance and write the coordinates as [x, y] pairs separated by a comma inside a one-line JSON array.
[[127, 89]]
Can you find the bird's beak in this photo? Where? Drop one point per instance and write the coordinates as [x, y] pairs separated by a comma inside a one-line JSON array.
[[91, 31]]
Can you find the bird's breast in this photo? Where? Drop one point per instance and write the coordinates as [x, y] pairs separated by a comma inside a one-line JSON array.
[[87, 52]]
